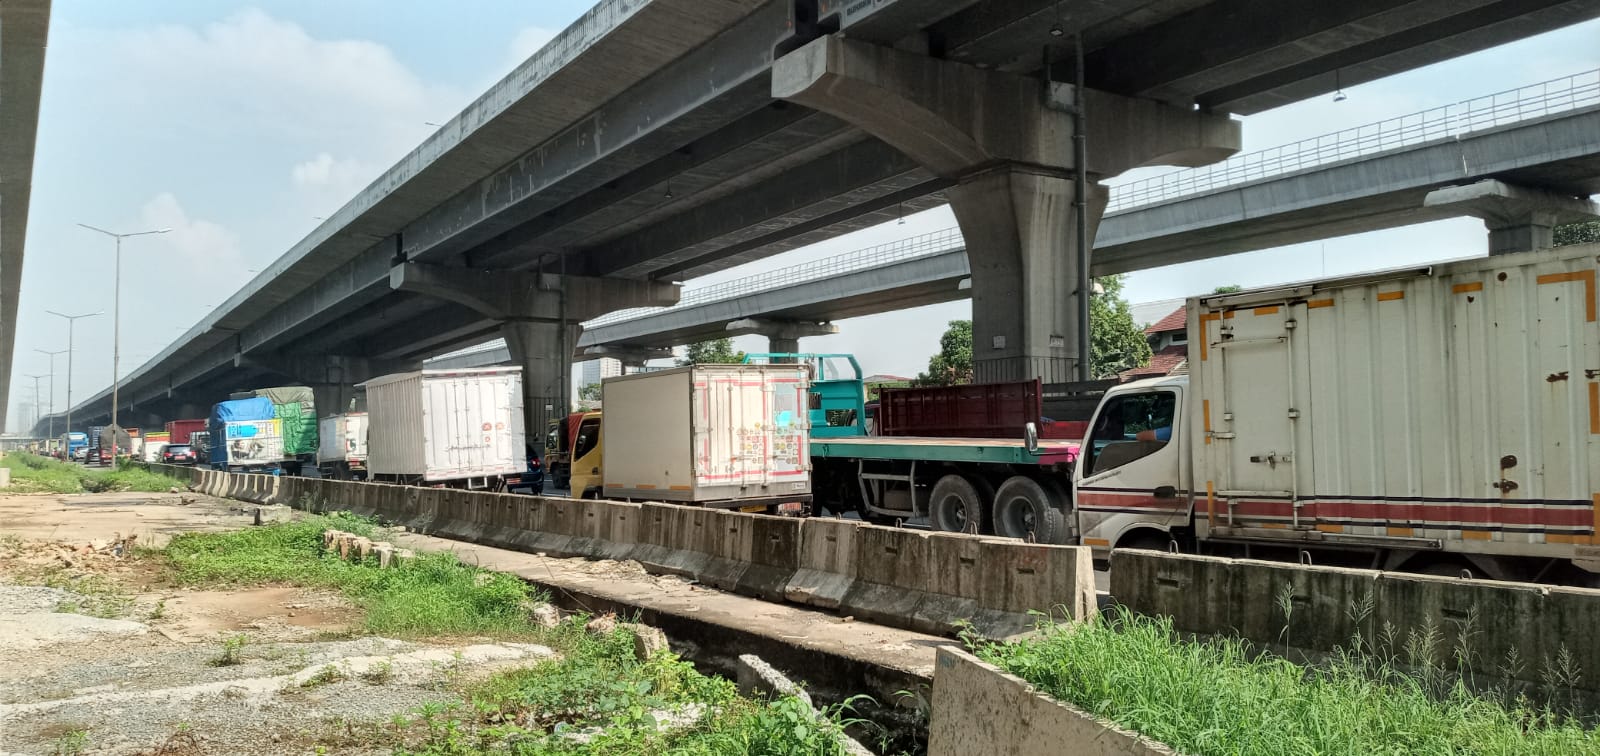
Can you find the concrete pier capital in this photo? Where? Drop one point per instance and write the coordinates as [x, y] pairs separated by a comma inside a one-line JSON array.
[[954, 118], [780, 329], [629, 356], [1519, 218]]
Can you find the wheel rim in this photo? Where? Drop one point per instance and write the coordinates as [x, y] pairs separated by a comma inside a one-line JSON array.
[[957, 510], [1020, 516]]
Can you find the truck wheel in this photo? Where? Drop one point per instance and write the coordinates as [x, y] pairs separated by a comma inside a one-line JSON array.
[[957, 506], [1024, 509]]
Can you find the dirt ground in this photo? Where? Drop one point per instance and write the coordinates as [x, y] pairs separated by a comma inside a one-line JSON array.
[[101, 653]]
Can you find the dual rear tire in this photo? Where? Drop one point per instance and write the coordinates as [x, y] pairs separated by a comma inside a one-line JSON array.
[[1022, 508]]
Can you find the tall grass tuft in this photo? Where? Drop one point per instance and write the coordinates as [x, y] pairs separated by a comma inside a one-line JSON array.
[[1223, 696], [432, 594], [31, 473]]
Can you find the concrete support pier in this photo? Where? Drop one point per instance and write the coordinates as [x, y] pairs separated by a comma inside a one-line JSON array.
[[539, 315], [1519, 218], [333, 378], [1007, 141]]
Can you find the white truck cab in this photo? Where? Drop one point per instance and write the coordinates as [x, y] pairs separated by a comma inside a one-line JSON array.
[[1132, 478]]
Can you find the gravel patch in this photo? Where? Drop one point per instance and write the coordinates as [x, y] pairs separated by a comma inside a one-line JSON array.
[[29, 599]]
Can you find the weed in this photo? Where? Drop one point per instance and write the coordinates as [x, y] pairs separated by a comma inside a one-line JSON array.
[[1224, 697], [328, 674], [231, 646], [94, 595], [72, 742], [33, 473], [159, 611], [434, 594], [379, 673]]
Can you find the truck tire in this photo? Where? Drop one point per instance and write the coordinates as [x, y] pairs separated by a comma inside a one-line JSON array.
[[1024, 509], [957, 506]]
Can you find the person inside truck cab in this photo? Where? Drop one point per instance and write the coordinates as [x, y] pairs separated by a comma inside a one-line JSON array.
[[1130, 427]]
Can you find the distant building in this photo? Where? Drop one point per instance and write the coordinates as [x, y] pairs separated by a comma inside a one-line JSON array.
[[595, 371], [1169, 344]]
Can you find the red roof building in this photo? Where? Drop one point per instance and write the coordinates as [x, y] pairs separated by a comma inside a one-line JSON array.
[[1169, 341]]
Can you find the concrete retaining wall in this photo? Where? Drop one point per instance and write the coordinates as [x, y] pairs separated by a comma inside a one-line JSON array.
[[977, 708], [1330, 606], [930, 582]]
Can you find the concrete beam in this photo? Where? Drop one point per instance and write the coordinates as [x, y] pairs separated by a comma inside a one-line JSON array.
[[512, 295], [1520, 219], [783, 336]]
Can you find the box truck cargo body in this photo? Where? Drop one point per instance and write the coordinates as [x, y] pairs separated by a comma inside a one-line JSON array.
[[178, 430], [246, 436], [1447, 415], [342, 453], [455, 427], [723, 435]]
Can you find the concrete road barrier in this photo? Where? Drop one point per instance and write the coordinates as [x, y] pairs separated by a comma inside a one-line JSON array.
[[978, 708], [1329, 607], [932, 582]]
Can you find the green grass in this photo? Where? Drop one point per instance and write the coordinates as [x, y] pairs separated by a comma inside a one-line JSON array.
[[433, 594], [598, 684], [1224, 697], [31, 473]]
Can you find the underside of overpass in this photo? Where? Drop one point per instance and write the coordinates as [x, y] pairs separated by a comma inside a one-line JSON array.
[[24, 25], [658, 141]]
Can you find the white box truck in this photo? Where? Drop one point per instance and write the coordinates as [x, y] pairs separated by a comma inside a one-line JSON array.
[[1436, 419], [732, 436], [457, 428], [342, 446]]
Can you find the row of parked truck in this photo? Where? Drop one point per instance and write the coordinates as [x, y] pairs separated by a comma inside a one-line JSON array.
[[1439, 419]]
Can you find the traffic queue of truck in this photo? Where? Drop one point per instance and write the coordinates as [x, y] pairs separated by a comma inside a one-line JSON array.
[[1436, 419]]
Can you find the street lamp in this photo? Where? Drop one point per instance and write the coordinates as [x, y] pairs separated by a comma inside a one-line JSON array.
[[116, 327], [71, 319], [52, 412], [36, 397]]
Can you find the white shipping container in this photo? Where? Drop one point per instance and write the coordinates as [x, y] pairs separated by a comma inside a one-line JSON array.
[[708, 433], [439, 425], [1453, 407], [342, 438]]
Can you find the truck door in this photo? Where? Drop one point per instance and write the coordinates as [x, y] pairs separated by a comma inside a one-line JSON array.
[[1129, 473], [1250, 370]]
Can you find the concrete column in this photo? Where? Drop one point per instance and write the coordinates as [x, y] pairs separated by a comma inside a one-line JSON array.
[[536, 346], [1519, 218], [332, 378], [539, 316], [783, 336], [1007, 141]]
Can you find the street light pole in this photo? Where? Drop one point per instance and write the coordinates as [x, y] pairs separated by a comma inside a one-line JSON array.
[[116, 328], [71, 319], [52, 413], [36, 397]]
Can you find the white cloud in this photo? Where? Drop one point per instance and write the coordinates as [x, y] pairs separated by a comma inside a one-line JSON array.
[[202, 248], [526, 43], [324, 170]]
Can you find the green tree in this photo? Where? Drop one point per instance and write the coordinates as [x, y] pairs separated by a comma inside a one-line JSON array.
[[1587, 232], [1116, 342], [589, 392], [1229, 289], [953, 363], [713, 352]]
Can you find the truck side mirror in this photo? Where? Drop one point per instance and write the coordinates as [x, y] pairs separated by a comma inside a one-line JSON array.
[[1030, 437]]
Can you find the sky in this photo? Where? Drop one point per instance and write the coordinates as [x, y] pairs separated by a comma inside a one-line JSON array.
[[239, 125]]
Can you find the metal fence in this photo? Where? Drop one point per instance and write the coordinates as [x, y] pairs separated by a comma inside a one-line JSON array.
[[1444, 122]]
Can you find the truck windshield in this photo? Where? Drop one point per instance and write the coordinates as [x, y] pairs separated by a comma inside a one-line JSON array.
[[1130, 427]]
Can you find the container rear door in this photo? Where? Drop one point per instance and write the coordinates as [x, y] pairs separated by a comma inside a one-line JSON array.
[[750, 428], [1248, 410], [355, 437], [469, 426]]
